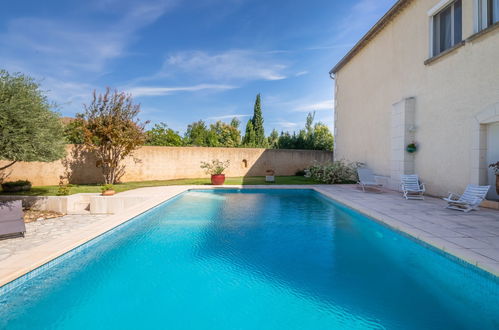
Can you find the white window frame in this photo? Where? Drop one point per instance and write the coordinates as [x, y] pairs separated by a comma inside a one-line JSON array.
[[432, 13], [481, 15]]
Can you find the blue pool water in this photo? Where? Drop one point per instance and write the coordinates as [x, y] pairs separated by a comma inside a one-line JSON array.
[[273, 259]]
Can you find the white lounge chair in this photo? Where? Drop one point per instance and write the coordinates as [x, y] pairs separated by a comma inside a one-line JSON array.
[[469, 200], [367, 179], [411, 186]]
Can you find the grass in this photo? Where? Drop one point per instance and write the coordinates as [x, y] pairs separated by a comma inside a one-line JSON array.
[[95, 188]]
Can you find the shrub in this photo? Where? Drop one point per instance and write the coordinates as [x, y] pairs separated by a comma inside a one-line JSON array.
[[107, 187], [18, 183], [333, 172], [215, 167], [64, 190], [14, 186]]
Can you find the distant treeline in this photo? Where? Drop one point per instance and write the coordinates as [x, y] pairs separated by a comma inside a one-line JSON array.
[[220, 134]]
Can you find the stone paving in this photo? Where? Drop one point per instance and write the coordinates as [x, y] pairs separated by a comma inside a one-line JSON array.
[[42, 231], [472, 236]]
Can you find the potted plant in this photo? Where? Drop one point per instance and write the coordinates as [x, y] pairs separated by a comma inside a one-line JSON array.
[[16, 186], [495, 168], [411, 147], [216, 168], [107, 190]]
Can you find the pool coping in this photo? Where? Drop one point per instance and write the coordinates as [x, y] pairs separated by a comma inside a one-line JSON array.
[[24, 263]]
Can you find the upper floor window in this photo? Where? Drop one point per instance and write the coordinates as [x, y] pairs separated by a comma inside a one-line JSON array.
[[487, 13], [447, 27]]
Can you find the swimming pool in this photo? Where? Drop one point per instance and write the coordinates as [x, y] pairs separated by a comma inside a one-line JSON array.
[[254, 259]]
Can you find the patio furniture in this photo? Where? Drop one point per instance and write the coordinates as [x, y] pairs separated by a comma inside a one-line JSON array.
[[411, 186], [11, 218], [367, 179], [469, 200]]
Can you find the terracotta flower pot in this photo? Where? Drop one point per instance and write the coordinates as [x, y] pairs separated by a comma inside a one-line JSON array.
[[108, 192], [217, 179]]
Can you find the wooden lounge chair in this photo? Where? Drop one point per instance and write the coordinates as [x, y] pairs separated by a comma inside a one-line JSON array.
[[469, 200], [367, 179], [412, 187], [11, 219]]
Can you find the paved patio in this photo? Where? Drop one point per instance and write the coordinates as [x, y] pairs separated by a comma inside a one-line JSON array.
[[42, 231], [473, 236]]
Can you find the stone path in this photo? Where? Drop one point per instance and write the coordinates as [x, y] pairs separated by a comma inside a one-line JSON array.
[[42, 231]]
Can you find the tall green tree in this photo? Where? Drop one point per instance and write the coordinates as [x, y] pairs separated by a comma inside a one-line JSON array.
[[162, 135], [29, 129], [112, 131], [257, 121], [249, 139]]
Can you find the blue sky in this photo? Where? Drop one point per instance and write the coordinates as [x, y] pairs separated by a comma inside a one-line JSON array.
[[188, 60]]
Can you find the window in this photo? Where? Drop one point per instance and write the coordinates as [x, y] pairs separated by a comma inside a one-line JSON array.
[[447, 28], [487, 13]]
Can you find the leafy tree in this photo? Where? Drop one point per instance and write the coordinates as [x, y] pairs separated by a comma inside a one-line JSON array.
[[322, 137], [273, 139], [112, 131], [227, 135], [73, 132], [197, 134], [316, 137], [29, 130], [161, 135]]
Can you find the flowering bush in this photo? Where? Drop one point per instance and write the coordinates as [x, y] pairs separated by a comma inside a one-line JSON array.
[[495, 167], [215, 167], [333, 172]]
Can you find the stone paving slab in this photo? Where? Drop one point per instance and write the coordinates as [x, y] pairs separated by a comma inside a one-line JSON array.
[[473, 237]]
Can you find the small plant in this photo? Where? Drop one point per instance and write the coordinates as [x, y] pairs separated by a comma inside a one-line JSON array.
[[333, 172], [411, 147], [107, 187], [495, 168], [215, 167]]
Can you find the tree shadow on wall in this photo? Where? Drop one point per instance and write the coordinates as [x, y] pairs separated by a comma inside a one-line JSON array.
[[81, 167]]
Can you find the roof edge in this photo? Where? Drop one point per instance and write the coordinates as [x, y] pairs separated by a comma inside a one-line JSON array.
[[380, 24]]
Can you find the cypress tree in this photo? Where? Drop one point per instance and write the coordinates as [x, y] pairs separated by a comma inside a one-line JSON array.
[[249, 136], [257, 122]]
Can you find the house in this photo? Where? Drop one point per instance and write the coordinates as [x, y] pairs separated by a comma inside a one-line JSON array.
[[426, 72]]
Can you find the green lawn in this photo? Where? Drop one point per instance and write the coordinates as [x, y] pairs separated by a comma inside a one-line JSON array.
[[94, 188]]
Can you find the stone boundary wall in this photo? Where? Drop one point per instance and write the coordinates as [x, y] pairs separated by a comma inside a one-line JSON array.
[[164, 163]]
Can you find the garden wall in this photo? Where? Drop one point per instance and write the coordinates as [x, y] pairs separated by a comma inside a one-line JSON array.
[[164, 163]]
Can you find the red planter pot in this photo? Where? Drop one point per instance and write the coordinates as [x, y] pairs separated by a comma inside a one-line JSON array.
[[218, 179]]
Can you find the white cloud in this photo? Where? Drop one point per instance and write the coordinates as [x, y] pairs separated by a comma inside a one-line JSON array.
[[286, 124], [301, 73], [227, 117], [226, 66], [156, 91], [323, 105]]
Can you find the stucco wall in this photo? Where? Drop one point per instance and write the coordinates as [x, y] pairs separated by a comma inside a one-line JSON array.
[[163, 163], [448, 92]]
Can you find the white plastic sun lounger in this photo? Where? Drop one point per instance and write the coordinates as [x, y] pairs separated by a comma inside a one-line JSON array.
[[469, 200], [367, 179], [411, 186]]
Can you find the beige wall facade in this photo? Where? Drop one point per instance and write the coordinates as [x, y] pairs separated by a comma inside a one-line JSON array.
[[164, 163], [455, 97]]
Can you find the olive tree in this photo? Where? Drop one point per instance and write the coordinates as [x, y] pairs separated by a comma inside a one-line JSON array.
[[29, 129], [112, 131]]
